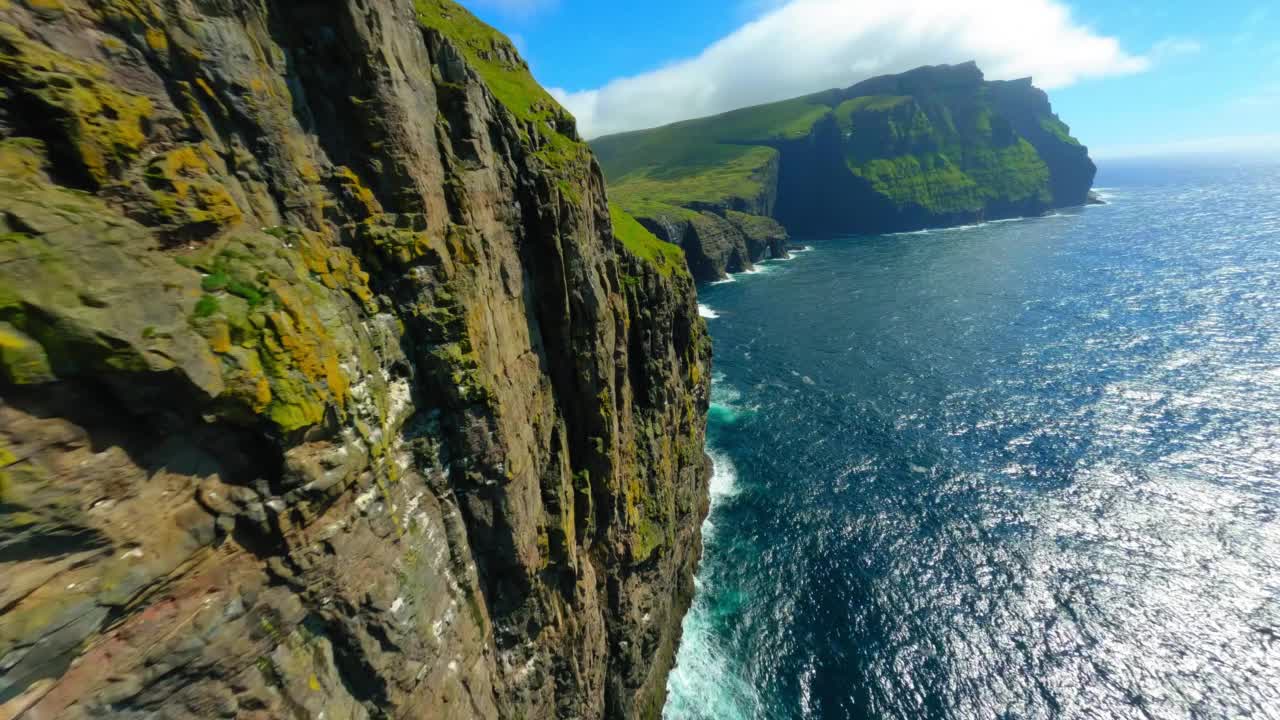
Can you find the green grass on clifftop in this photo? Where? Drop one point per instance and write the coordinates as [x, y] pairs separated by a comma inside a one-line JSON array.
[[495, 58], [1058, 129], [710, 160], [930, 141], [689, 147], [868, 103], [743, 173], [664, 256]]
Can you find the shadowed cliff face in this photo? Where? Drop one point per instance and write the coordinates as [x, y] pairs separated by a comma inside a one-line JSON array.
[[327, 384], [932, 147]]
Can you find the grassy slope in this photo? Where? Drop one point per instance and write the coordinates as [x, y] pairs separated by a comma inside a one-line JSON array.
[[946, 158], [513, 85], [706, 160], [509, 81], [667, 258], [933, 150], [846, 110]]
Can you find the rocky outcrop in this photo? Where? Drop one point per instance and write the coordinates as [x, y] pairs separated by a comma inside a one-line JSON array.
[[1027, 109], [932, 147], [328, 389], [718, 243]]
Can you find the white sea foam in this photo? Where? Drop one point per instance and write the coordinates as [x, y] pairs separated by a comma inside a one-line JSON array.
[[961, 228], [971, 226], [1106, 195], [724, 476], [724, 401], [800, 249], [707, 312], [722, 392], [764, 267], [722, 413], [706, 683]]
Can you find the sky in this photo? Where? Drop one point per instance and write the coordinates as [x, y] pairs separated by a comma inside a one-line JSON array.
[[1131, 78]]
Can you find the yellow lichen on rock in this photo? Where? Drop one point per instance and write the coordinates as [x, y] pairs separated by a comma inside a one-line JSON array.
[[104, 125], [157, 40], [403, 245], [191, 109], [271, 322], [22, 360], [245, 379], [351, 182], [303, 336], [140, 11], [184, 191], [21, 158], [49, 6], [220, 337], [336, 267]]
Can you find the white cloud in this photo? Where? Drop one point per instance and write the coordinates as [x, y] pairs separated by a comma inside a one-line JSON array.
[[805, 46], [1251, 146]]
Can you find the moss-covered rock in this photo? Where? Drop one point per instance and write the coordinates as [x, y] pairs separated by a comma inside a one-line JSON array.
[[23, 361], [332, 383], [185, 195], [76, 278], [263, 313], [101, 126]]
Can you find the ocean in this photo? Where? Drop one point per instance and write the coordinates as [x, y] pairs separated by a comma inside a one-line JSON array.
[[1026, 469]]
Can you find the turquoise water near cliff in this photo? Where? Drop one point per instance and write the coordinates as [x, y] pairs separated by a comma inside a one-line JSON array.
[[1029, 469]]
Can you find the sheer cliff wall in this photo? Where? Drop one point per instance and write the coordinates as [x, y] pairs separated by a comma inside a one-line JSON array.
[[328, 387]]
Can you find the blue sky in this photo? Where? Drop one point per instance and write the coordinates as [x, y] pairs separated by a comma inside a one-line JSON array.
[[1130, 78]]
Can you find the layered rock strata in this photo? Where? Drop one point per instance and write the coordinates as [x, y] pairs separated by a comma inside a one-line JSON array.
[[329, 389]]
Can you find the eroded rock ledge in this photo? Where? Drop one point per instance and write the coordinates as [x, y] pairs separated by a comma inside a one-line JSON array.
[[327, 385]]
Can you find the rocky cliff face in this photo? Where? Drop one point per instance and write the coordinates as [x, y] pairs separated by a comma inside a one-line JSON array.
[[720, 240], [932, 147], [328, 388]]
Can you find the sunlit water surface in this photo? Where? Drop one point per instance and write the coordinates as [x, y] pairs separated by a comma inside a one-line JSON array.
[[1029, 469]]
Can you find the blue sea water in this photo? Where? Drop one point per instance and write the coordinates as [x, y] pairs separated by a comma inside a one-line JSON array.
[[1028, 469]]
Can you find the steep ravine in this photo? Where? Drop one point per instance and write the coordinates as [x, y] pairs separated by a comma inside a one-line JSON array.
[[328, 389]]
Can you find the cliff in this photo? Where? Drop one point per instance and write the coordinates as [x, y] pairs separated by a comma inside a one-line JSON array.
[[931, 147], [332, 386]]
